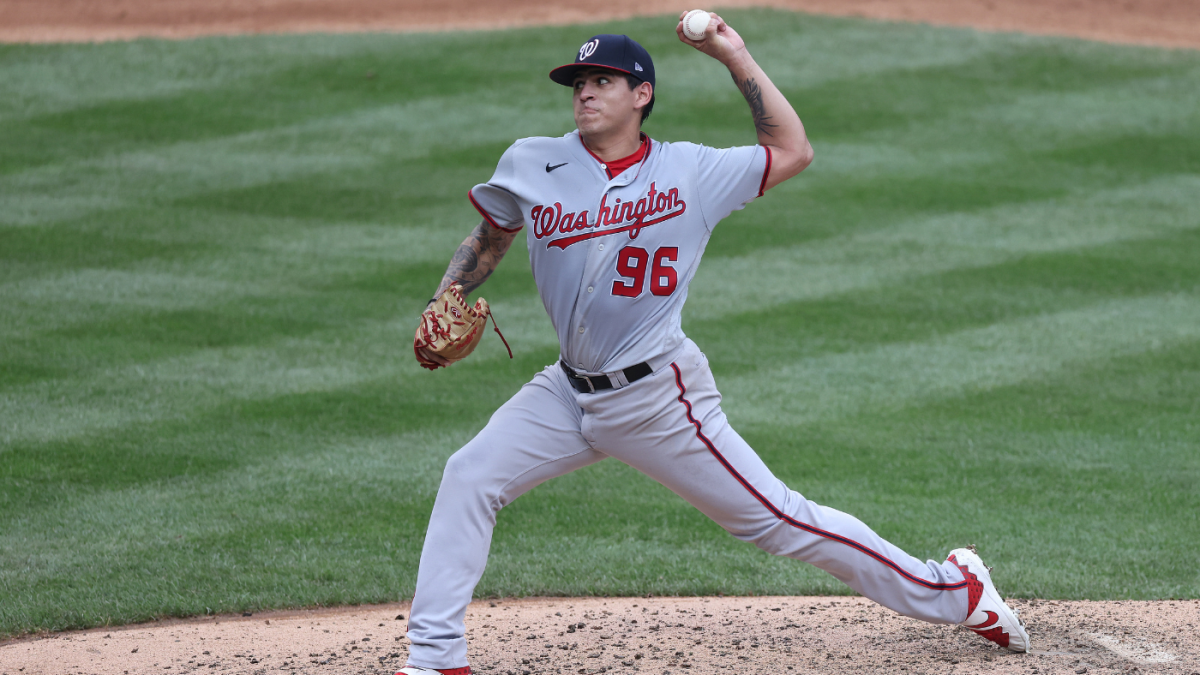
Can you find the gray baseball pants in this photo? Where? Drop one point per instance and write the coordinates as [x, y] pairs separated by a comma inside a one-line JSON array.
[[668, 425]]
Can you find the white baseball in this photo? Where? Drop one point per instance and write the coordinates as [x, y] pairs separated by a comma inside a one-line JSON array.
[[695, 23]]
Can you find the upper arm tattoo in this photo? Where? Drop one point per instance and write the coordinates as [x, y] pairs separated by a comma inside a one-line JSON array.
[[476, 258], [754, 97]]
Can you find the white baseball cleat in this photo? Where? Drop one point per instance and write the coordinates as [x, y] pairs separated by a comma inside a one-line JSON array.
[[987, 614]]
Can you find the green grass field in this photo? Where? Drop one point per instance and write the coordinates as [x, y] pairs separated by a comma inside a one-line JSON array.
[[978, 318]]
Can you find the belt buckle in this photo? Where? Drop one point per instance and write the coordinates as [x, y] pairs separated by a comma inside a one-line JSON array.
[[591, 387]]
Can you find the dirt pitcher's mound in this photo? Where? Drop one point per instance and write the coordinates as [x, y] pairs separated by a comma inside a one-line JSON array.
[[649, 636]]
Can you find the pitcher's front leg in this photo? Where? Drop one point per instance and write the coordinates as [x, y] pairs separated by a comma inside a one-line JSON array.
[[688, 445]]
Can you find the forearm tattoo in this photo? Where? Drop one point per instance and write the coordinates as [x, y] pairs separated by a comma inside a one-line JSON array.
[[476, 258], [754, 96]]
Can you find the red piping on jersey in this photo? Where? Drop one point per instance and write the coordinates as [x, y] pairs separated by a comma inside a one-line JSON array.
[[788, 519], [488, 217], [762, 187]]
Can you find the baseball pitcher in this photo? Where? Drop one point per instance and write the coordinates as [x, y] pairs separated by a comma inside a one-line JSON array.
[[616, 223]]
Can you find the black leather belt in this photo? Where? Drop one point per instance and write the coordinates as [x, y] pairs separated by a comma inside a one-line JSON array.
[[585, 384]]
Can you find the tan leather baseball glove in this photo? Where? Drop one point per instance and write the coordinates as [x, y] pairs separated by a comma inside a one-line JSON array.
[[451, 329]]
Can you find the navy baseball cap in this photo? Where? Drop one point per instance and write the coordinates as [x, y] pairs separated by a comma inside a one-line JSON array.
[[615, 52]]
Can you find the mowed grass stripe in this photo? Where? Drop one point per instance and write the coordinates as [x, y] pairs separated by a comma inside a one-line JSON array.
[[926, 307], [894, 376], [331, 146], [53, 79], [881, 257], [278, 88], [186, 385]]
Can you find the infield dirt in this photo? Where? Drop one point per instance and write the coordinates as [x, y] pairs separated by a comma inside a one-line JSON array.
[[1174, 23], [644, 636], [652, 636]]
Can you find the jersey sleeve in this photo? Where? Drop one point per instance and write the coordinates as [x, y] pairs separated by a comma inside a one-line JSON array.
[[496, 199], [730, 178]]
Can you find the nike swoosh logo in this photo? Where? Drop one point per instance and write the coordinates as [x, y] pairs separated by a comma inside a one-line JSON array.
[[551, 168], [992, 618]]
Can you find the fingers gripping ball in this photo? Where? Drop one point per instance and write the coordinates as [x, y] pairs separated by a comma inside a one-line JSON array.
[[451, 329], [695, 24]]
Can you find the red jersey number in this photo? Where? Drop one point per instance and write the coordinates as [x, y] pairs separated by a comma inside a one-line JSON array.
[[632, 263], [662, 275]]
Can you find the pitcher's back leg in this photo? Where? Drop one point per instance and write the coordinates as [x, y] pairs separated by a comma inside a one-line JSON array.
[[529, 440]]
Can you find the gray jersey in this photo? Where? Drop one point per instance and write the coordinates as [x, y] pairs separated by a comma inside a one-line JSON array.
[[613, 258]]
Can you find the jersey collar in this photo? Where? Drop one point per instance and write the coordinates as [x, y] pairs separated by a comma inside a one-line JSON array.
[[617, 167], [625, 177]]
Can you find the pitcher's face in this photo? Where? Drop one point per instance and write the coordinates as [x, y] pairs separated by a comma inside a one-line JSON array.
[[604, 102]]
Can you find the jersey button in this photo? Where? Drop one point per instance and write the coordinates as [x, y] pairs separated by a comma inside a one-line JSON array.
[[601, 247], [581, 330], [589, 289]]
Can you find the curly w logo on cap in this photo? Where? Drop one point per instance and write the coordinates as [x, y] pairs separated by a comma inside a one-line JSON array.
[[588, 49]]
